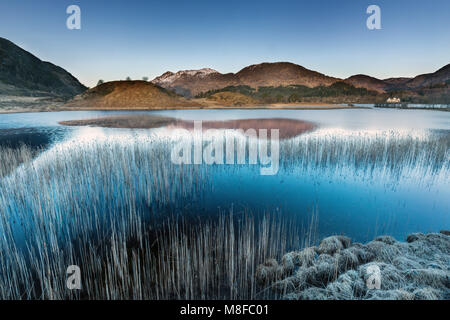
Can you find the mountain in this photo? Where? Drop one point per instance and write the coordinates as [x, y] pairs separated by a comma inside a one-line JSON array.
[[170, 77], [441, 76], [288, 83], [396, 82], [370, 83], [439, 79], [21, 73], [424, 88], [128, 95], [193, 82], [282, 74]]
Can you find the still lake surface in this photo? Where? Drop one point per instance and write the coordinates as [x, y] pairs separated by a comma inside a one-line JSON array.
[[360, 202]]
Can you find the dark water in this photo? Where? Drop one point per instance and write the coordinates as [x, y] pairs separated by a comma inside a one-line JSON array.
[[32, 137], [350, 199]]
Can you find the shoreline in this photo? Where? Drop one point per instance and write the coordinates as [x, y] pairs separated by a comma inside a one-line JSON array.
[[414, 108], [267, 107], [306, 106]]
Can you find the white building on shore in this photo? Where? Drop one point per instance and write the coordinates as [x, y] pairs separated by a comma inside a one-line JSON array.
[[393, 100]]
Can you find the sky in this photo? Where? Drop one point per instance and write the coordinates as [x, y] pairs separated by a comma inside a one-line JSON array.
[[121, 38]]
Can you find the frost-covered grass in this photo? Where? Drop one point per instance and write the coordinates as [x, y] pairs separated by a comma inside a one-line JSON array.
[[418, 269], [116, 209]]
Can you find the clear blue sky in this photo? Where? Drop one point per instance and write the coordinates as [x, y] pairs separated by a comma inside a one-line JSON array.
[[146, 38]]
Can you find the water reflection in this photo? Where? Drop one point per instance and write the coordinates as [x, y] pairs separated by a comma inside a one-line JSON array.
[[288, 128]]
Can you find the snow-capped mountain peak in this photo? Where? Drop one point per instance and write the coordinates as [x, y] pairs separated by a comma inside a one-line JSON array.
[[169, 77]]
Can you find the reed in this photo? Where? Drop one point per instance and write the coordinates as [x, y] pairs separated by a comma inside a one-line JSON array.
[[388, 154], [11, 158], [118, 210]]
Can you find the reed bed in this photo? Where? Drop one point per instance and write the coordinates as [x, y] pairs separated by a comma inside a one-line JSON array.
[[105, 208], [117, 210], [389, 155], [11, 158]]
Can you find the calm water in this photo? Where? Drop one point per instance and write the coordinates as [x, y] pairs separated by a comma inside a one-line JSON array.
[[352, 199]]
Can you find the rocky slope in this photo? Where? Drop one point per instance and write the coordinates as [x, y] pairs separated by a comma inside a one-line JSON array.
[[339, 269], [23, 74]]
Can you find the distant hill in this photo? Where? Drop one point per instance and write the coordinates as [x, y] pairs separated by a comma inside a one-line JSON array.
[[395, 82], [370, 83], [23, 74], [440, 77], [436, 79], [128, 95], [426, 88], [282, 74], [193, 82]]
